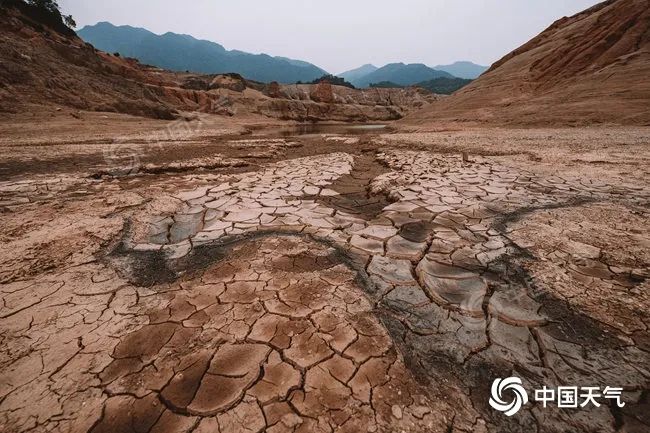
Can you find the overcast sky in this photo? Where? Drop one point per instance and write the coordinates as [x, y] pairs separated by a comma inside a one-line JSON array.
[[342, 34]]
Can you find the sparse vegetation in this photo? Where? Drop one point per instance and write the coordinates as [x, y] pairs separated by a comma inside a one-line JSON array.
[[46, 12], [46, 5], [444, 85], [52, 7], [69, 21], [385, 85], [333, 80]]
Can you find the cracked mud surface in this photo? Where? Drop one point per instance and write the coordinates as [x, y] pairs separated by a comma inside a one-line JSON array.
[[265, 341], [340, 290]]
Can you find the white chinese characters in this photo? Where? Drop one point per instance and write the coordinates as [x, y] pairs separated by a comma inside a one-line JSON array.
[[573, 397], [564, 397]]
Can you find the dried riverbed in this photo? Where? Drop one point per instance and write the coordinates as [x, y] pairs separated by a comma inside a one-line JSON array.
[[322, 282]]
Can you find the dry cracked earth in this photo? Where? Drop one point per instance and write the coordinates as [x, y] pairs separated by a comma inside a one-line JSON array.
[[321, 284]]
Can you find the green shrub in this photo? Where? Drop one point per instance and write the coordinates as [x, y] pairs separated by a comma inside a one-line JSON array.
[[333, 80]]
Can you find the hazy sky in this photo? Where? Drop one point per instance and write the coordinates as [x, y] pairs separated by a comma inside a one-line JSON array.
[[342, 34]]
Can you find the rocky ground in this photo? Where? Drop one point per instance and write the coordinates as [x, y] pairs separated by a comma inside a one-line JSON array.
[[192, 276]]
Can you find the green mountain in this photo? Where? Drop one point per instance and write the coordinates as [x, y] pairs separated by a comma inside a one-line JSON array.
[[402, 74], [185, 53], [441, 85], [463, 69], [444, 85], [355, 74]]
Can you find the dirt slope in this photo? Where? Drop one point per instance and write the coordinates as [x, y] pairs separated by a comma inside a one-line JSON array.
[[593, 67]]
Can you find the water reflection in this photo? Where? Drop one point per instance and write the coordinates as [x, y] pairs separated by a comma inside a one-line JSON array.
[[320, 128]]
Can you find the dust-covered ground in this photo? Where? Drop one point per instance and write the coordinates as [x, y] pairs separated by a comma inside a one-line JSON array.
[[207, 276]]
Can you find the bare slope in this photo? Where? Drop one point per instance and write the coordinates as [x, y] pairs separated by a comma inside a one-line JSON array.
[[593, 67]]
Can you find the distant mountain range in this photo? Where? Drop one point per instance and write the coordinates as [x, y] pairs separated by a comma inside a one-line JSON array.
[[467, 70], [358, 73], [400, 73], [182, 52], [186, 53], [410, 74]]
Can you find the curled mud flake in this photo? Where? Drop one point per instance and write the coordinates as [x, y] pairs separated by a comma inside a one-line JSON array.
[[278, 379], [214, 382]]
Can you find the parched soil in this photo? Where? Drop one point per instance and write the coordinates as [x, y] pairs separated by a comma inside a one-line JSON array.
[[221, 282], [351, 193]]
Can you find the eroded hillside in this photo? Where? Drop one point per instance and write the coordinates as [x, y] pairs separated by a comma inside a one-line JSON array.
[[590, 68]]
